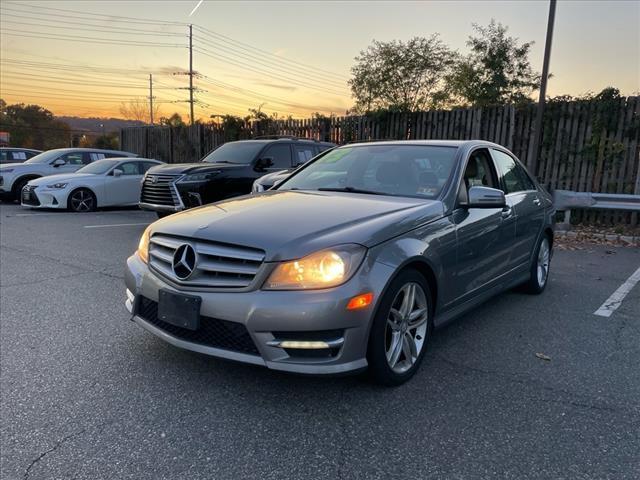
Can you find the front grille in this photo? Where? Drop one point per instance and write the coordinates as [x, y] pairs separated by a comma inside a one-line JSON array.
[[159, 190], [213, 332], [29, 196], [217, 265]]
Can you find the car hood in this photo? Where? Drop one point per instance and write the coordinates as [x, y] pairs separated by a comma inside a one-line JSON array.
[[60, 177], [291, 224], [178, 168]]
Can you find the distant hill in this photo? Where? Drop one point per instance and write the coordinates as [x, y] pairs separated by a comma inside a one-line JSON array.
[[93, 124]]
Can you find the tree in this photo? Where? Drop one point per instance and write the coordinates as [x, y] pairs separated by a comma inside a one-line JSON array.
[[401, 76], [139, 109], [33, 126], [174, 120], [496, 71]]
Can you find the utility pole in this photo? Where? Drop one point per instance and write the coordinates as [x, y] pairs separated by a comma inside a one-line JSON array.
[[537, 134], [151, 98], [191, 70]]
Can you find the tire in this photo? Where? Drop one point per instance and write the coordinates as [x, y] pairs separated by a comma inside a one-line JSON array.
[[539, 270], [82, 200], [16, 191], [391, 360]]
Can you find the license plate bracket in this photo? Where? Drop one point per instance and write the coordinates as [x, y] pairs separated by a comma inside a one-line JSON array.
[[179, 309]]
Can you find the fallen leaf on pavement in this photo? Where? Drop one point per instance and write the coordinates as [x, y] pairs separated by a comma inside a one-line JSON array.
[[544, 357]]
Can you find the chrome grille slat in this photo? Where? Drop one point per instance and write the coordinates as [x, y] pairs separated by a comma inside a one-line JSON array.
[[217, 265], [160, 192]]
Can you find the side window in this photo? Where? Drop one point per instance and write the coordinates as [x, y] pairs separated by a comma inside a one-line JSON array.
[[3, 156], [479, 172], [515, 178], [129, 168], [20, 156], [73, 158], [93, 156], [303, 153], [280, 154], [144, 166]]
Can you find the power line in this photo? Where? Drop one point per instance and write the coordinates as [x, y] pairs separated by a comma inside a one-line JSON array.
[[98, 40], [280, 58]]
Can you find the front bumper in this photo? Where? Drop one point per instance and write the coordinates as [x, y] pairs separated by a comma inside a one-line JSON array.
[[44, 198], [268, 318]]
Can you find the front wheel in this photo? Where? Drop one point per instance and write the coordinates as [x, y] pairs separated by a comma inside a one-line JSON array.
[[82, 200], [539, 273], [401, 329]]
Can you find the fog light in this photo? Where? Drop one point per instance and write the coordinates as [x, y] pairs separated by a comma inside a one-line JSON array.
[[361, 301], [304, 344]]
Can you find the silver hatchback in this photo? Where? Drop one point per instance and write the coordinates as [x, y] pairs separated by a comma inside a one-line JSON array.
[[350, 263]]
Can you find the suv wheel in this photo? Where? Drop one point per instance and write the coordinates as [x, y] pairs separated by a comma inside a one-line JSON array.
[[401, 329]]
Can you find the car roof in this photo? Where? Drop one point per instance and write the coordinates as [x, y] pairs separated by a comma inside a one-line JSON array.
[[435, 143], [96, 150], [120, 159], [21, 149], [285, 140]]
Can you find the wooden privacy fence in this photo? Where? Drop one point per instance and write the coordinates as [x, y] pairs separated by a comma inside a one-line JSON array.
[[586, 145]]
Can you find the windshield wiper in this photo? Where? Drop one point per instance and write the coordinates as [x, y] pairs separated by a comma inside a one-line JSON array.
[[350, 190]]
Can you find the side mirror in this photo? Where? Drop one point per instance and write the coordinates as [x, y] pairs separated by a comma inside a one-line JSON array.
[[486, 197], [58, 162], [117, 172], [264, 163]]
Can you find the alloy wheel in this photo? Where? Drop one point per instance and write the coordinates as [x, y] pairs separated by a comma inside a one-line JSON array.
[[82, 201], [406, 327], [543, 262]]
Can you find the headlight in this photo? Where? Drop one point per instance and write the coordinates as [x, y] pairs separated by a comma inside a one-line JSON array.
[[143, 245], [197, 177], [323, 269], [58, 185]]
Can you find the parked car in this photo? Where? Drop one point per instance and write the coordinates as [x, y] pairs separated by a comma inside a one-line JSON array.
[[16, 155], [350, 263], [14, 176], [103, 183], [228, 171]]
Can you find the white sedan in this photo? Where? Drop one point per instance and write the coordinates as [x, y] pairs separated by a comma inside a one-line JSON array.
[[103, 183]]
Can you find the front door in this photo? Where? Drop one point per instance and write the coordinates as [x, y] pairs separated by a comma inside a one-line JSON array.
[[125, 189], [522, 193], [484, 235]]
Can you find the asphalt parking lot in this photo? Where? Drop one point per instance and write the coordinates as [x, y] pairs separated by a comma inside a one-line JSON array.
[[87, 394]]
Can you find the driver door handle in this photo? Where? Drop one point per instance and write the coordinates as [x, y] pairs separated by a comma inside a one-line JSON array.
[[536, 201], [507, 212]]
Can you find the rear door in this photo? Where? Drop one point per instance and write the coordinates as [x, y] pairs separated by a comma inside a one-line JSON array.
[[522, 194], [484, 235]]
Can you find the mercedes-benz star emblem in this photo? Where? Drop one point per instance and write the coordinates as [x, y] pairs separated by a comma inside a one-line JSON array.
[[184, 261]]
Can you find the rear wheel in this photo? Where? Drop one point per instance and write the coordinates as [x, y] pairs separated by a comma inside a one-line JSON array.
[[82, 200], [401, 329], [539, 273]]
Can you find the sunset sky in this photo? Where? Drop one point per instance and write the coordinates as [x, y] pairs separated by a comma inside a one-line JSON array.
[[85, 58]]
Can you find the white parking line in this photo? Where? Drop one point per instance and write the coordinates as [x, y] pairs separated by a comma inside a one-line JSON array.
[[614, 301], [117, 225]]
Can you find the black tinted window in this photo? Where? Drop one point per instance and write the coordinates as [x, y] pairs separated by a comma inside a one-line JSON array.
[[73, 158], [130, 168], [280, 155], [144, 166], [514, 176]]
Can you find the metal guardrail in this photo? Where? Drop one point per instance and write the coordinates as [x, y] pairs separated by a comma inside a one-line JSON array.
[[566, 200]]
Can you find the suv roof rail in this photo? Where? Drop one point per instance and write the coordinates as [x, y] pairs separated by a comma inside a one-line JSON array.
[[278, 137]]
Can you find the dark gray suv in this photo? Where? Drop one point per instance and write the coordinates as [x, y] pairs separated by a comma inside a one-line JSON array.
[[349, 263]]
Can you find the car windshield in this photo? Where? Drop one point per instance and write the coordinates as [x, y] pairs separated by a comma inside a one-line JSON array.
[[45, 157], [241, 153], [98, 167], [403, 170]]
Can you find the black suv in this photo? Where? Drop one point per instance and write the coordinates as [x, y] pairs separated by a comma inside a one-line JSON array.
[[227, 171]]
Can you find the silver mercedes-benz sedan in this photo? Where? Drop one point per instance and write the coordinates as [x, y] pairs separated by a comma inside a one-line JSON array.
[[350, 263]]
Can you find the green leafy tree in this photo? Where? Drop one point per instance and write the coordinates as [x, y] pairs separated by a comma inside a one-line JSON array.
[[405, 76], [496, 71], [33, 126], [174, 120]]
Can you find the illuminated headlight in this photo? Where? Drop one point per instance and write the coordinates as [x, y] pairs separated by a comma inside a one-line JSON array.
[[323, 269], [197, 177], [143, 245], [58, 185]]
